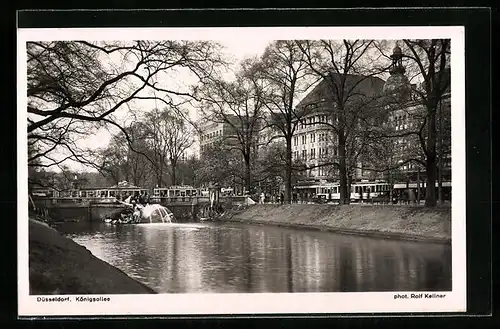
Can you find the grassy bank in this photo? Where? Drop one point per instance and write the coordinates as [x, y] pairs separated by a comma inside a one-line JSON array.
[[58, 265], [400, 222]]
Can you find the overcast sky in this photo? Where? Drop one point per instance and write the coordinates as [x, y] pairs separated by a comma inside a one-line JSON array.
[[239, 42], [237, 48]]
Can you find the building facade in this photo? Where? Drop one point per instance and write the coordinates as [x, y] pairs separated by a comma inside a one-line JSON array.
[[315, 143], [212, 133]]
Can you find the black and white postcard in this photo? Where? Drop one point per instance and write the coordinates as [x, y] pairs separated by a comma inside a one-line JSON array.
[[241, 170]]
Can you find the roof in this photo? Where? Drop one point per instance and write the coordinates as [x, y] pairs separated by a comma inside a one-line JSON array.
[[367, 86]]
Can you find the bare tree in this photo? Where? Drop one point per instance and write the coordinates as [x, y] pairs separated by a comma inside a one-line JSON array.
[[285, 72], [349, 92], [432, 59], [76, 87], [427, 62], [239, 106], [124, 160], [155, 135], [219, 164], [178, 138]]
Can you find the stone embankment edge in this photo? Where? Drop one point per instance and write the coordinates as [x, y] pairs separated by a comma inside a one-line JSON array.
[[40, 225], [367, 233]]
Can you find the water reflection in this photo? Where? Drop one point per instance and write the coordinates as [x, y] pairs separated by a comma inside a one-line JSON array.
[[224, 258]]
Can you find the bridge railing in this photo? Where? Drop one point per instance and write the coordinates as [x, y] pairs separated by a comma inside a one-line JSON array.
[[49, 201], [180, 199], [71, 200], [196, 199]]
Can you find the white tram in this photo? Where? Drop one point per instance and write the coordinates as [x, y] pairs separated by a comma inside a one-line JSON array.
[[331, 191], [176, 191], [368, 190]]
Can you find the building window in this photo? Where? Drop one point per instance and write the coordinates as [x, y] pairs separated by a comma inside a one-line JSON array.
[[304, 154], [304, 138], [313, 138], [313, 153]]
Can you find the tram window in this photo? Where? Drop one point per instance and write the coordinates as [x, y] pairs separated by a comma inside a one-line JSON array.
[[177, 193], [188, 192]]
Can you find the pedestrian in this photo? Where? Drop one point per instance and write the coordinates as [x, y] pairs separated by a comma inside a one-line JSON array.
[[282, 198]]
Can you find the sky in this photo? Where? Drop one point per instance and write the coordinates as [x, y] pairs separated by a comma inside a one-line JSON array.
[[238, 42], [237, 48]]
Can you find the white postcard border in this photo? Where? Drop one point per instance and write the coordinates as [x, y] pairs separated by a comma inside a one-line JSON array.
[[257, 303]]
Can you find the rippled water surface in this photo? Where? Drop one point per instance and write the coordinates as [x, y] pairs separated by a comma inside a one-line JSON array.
[[220, 258]]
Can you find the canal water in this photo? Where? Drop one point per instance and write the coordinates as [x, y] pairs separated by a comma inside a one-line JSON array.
[[233, 257]]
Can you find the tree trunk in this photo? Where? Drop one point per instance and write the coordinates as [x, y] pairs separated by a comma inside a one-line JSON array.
[[430, 168], [288, 170], [344, 193], [248, 177], [440, 163], [174, 171], [248, 172], [418, 185]]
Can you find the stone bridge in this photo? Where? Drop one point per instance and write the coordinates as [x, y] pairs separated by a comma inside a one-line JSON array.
[[78, 209]]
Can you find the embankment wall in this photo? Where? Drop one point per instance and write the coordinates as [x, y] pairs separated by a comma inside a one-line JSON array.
[[388, 221]]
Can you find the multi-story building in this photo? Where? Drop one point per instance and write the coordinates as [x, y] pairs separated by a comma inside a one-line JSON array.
[[315, 142], [410, 117], [212, 133], [225, 132]]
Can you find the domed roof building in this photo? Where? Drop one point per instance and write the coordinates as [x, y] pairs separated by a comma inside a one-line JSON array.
[[397, 85]]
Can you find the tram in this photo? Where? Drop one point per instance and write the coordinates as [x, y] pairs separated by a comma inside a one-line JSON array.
[[363, 190], [100, 194], [369, 190], [176, 191], [105, 193]]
